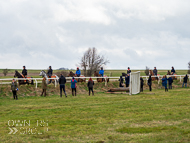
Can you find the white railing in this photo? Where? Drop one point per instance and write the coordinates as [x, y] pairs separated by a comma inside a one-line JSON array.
[[36, 80]]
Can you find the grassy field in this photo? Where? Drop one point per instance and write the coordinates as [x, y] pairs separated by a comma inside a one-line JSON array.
[[159, 117]]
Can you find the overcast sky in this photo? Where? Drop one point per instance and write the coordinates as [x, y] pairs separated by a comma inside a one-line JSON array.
[[135, 33]]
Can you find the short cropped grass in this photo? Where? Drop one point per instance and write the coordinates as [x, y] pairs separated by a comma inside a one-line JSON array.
[[160, 117]]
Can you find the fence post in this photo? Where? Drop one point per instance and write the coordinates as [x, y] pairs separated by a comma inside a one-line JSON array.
[[180, 78], [158, 79], [55, 83], [36, 83], [105, 81]]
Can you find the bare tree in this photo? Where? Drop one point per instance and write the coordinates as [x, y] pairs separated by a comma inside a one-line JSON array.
[[5, 71], [188, 68], [91, 61], [146, 71]]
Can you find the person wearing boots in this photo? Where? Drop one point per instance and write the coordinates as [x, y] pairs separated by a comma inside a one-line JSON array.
[[142, 83], [90, 86], [62, 82], [185, 81], [14, 89], [73, 86], [164, 82], [150, 82], [44, 87]]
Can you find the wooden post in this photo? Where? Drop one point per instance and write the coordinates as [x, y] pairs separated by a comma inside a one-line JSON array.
[[105, 81]]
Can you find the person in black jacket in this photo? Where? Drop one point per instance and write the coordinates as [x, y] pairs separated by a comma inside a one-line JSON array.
[[170, 81], [155, 71], [121, 81], [185, 81], [150, 82], [24, 71], [90, 86], [127, 80], [142, 83], [62, 82], [50, 72]]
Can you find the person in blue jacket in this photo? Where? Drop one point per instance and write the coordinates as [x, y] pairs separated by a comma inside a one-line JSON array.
[[170, 81], [77, 73], [173, 71], [164, 82], [127, 80], [73, 86], [101, 72]]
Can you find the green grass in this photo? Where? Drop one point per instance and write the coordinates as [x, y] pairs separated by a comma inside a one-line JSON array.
[[162, 117]]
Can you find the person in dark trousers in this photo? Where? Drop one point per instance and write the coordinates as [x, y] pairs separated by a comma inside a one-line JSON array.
[[121, 82], [73, 86], [50, 72], [62, 82], [90, 86], [44, 86], [128, 70], [172, 71], [127, 80], [185, 81], [142, 83], [164, 82], [170, 81], [150, 82], [155, 71], [24, 71], [14, 89]]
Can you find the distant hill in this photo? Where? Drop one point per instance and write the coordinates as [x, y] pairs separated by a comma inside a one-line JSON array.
[[63, 69]]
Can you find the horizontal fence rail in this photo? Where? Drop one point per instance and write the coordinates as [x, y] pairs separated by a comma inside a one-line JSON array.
[[36, 80]]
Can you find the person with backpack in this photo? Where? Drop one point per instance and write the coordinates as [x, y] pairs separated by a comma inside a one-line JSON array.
[[14, 89], [73, 86], [170, 81], [62, 82], [90, 86], [185, 81]]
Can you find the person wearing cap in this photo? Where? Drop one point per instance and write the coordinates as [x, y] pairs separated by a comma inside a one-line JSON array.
[[172, 71], [50, 72], [24, 71], [155, 71], [170, 81], [77, 73], [101, 72], [128, 71], [90, 86], [14, 89], [62, 82], [73, 86], [127, 80]]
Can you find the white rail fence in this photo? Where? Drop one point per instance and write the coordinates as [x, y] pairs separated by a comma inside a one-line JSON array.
[[38, 80]]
